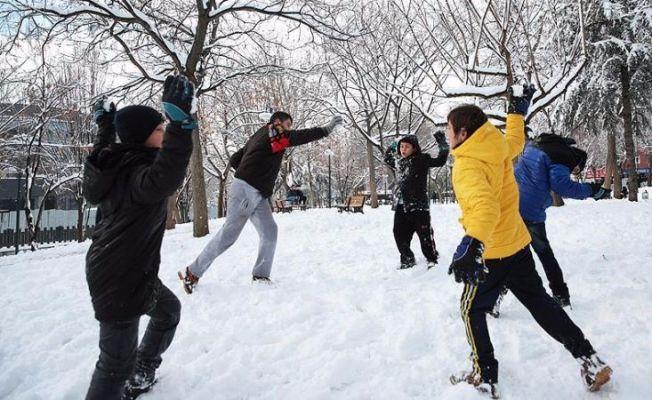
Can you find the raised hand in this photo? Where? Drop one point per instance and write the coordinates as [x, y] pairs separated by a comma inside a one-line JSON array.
[[178, 96], [519, 99], [334, 123], [103, 112]]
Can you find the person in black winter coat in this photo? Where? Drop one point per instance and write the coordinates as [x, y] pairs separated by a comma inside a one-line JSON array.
[[256, 165], [411, 205], [131, 181]]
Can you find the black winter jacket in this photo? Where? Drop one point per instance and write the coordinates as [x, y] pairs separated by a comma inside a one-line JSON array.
[[131, 185], [259, 161], [411, 187]]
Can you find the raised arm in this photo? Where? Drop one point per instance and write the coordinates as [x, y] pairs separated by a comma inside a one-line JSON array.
[[165, 175], [303, 136], [104, 114], [517, 108], [444, 149]]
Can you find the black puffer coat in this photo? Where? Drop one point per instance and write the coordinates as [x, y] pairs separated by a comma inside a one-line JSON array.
[[131, 185], [411, 189]]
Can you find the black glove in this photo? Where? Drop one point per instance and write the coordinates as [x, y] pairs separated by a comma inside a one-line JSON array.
[[468, 265], [178, 95], [520, 104], [103, 113], [598, 192], [440, 137]]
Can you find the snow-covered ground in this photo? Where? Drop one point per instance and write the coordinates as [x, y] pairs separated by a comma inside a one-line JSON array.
[[341, 322]]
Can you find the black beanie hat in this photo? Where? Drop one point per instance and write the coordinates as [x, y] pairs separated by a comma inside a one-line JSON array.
[[134, 124]]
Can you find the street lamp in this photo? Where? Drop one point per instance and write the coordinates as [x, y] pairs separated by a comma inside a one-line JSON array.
[[329, 153]]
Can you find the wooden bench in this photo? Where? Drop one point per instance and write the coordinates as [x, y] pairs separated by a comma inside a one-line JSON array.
[[345, 206], [357, 204], [280, 206], [354, 204]]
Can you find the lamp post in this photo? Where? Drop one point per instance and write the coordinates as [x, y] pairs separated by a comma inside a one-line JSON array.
[[329, 153]]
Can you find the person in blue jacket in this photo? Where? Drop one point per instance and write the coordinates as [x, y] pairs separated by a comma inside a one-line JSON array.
[[545, 166]]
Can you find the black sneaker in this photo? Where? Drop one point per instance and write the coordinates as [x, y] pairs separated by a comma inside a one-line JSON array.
[[261, 279], [141, 382], [407, 264]]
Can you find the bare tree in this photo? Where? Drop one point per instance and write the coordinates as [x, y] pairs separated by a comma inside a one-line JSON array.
[[202, 40]]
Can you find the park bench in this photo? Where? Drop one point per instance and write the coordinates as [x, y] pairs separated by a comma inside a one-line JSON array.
[[354, 204], [280, 206]]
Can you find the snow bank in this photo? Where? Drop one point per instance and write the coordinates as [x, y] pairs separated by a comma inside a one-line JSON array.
[[341, 322]]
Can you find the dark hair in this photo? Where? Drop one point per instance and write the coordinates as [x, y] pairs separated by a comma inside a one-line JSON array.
[[580, 157], [467, 116], [283, 116]]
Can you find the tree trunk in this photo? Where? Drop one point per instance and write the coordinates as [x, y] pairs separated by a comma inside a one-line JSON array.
[[618, 182], [630, 151], [610, 168], [80, 219], [649, 170], [372, 175], [199, 204], [221, 196], [171, 220]]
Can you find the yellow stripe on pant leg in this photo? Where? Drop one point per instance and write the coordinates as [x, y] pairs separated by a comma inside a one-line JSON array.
[[470, 291]]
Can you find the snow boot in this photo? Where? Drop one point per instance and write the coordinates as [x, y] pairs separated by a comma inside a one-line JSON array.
[[261, 279], [475, 380], [433, 263], [407, 264], [595, 373], [141, 382], [188, 280]]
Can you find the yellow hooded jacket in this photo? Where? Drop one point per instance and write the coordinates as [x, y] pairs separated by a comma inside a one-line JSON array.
[[485, 187]]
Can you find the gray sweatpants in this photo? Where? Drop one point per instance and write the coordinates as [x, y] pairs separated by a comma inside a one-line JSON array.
[[245, 203]]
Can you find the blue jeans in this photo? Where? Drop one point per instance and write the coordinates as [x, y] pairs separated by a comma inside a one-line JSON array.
[[541, 246], [119, 350]]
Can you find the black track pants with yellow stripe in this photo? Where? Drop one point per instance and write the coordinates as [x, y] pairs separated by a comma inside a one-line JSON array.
[[518, 273]]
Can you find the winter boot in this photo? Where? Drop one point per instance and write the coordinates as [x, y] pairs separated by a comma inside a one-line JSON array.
[[475, 380], [188, 280], [433, 263], [140, 382], [261, 279], [595, 373], [407, 264]]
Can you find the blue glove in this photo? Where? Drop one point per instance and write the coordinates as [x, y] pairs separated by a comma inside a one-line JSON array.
[[102, 113], [598, 192], [178, 94], [520, 104], [468, 265], [393, 146]]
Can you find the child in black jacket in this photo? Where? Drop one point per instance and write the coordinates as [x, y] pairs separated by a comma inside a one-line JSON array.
[[411, 196], [131, 182]]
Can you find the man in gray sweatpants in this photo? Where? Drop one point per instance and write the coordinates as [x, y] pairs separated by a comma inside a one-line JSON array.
[[257, 165]]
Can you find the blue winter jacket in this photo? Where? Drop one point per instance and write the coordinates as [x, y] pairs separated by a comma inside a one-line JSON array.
[[536, 176]]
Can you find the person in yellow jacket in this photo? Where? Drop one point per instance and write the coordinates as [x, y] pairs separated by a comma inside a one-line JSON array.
[[495, 250]]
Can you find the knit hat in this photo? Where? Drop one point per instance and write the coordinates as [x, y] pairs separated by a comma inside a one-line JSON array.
[[134, 124]]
